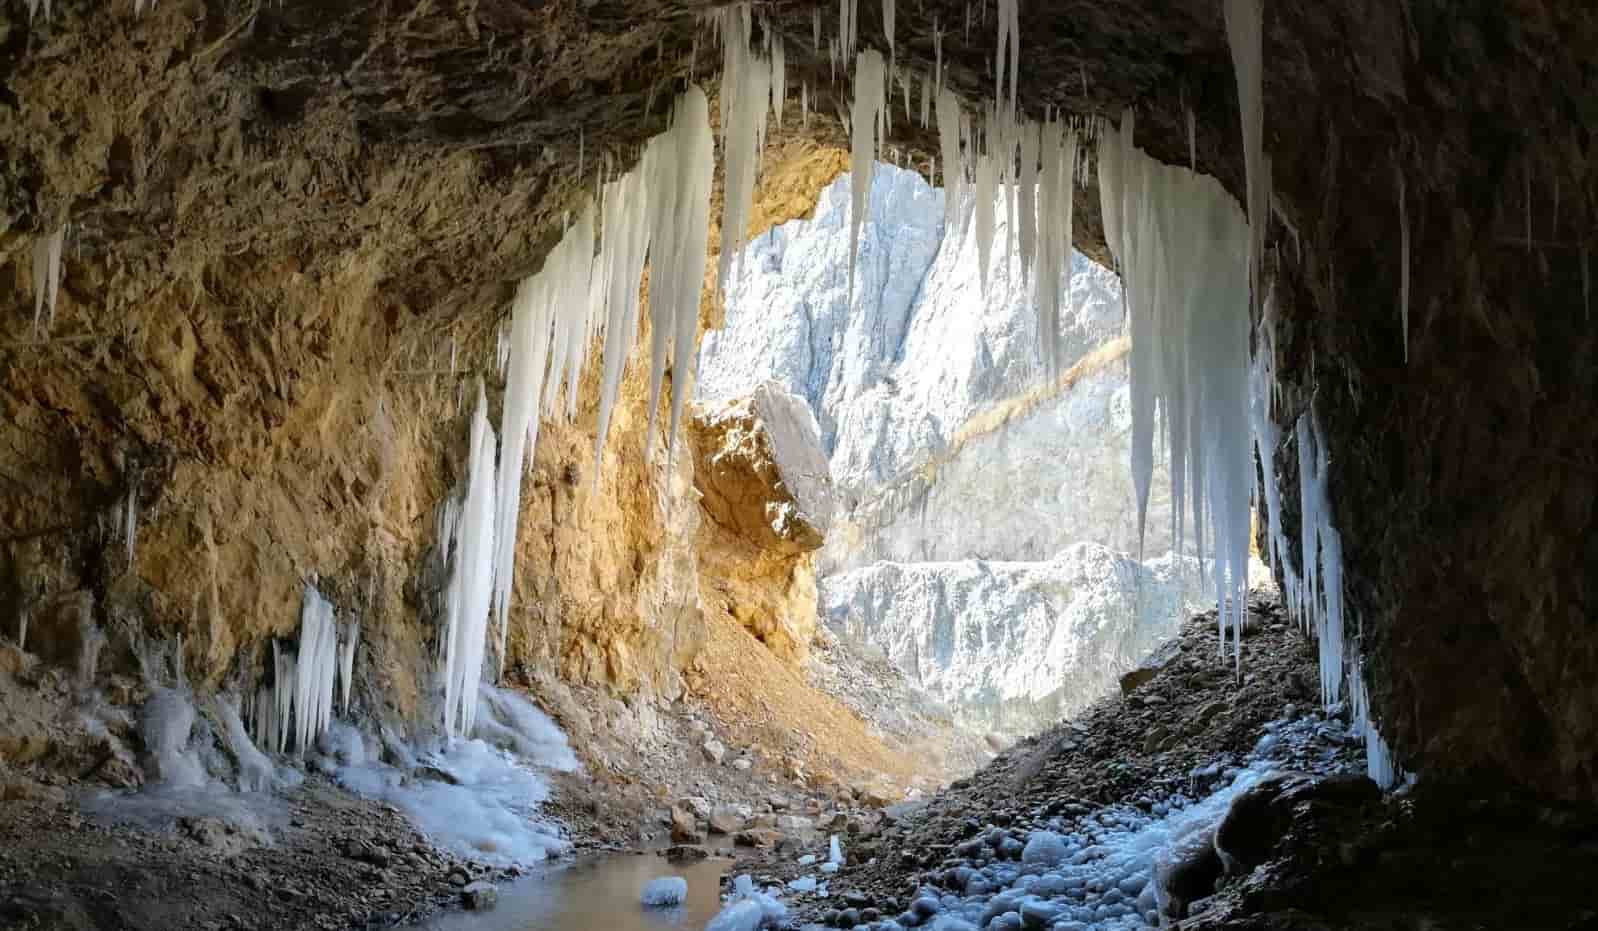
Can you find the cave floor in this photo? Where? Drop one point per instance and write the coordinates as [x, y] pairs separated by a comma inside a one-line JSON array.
[[332, 861], [1429, 857]]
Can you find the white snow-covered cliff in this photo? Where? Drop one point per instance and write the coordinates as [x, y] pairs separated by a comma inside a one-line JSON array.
[[945, 437], [1011, 645], [985, 508]]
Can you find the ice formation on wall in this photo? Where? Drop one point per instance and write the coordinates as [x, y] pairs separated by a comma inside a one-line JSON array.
[[1182, 246], [746, 88], [317, 669], [866, 133], [1320, 595], [469, 591], [46, 258], [1403, 260]]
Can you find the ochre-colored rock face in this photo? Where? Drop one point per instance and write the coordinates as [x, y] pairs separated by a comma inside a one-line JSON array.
[[285, 215], [767, 496]]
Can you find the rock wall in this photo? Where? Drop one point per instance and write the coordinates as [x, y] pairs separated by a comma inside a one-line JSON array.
[[767, 498], [1012, 647]]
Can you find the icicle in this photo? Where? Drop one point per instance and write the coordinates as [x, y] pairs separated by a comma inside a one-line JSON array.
[[745, 89], [130, 522], [815, 28], [1009, 51], [47, 265], [887, 25], [680, 221], [1192, 140], [983, 224], [1183, 246], [866, 120], [470, 591], [949, 147], [626, 233], [1244, 25], [1528, 206], [1403, 258], [927, 82], [804, 105], [346, 664], [314, 674], [937, 56], [779, 80]]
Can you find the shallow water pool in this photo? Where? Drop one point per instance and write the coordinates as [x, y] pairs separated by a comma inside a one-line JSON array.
[[597, 893]]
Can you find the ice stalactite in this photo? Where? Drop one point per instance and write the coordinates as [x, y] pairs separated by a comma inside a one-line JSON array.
[[47, 267], [1244, 33], [1403, 259], [848, 27], [887, 24], [469, 592], [346, 664], [982, 224], [1058, 152], [949, 118], [1026, 200], [1267, 439], [1007, 54], [815, 29], [1182, 246], [130, 521], [866, 133], [315, 673], [681, 161], [1320, 596], [625, 236], [1379, 763], [745, 91], [779, 78]]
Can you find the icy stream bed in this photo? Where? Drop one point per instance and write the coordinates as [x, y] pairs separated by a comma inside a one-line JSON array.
[[599, 893]]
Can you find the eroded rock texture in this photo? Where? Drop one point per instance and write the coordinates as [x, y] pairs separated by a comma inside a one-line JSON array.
[[768, 501]]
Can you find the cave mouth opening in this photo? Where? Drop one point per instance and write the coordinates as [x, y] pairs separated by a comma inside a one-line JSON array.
[[985, 537]]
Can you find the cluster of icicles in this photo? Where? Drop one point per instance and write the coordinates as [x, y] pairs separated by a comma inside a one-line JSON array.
[[297, 707]]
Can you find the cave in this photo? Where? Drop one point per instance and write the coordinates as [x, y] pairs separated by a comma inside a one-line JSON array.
[[277, 271]]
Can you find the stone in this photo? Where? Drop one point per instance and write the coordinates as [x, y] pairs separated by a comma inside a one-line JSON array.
[[479, 896], [698, 807], [757, 837], [715, 751], [685, 853], [742, 764], [685, 827], [1150, 666], [726, 820], [795, 824]]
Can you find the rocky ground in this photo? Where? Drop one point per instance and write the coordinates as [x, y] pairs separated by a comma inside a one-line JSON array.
[[1316, 847]]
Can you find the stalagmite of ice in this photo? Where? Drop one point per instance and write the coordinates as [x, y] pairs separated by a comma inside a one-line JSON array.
[[164, 723], [1182, 246], [47, 264], [1244, 33], [255, 770], [834, 851], [315, 673], [470, 588], [682, 160], [866, 134]]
